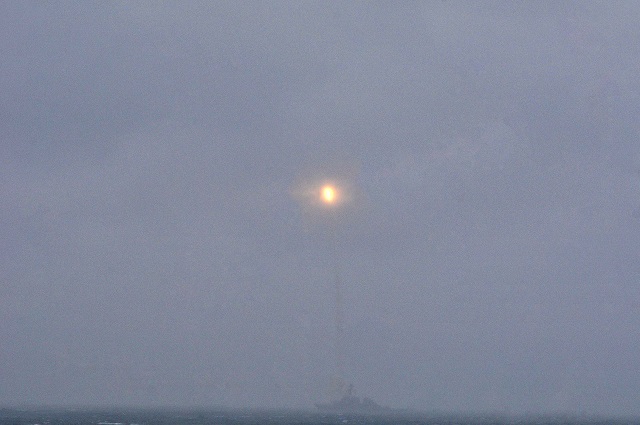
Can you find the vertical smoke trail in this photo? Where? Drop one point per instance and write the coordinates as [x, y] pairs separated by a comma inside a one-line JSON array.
[[338, 384]]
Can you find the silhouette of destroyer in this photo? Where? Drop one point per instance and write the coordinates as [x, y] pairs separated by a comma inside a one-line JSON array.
[[349, 403]]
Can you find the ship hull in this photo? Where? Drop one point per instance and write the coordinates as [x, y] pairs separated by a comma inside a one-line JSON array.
[[351, 404]]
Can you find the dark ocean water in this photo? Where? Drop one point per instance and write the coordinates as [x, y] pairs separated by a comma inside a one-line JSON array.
[[254, 417]]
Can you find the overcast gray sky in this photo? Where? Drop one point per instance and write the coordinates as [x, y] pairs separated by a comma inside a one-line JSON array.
[[153, 251]]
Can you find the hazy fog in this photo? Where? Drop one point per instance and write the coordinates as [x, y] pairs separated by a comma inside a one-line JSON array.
[[152, 252]]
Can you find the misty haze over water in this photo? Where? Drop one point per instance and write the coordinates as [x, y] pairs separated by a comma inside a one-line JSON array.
[[116, 416], [164, 240]]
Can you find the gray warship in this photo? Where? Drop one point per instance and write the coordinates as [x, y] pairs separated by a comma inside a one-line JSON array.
[[349, 403]]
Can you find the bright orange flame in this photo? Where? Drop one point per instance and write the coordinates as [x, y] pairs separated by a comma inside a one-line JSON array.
[[328, 194]]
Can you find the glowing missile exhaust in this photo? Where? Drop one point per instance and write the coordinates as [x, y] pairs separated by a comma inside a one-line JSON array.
[[329, 194]]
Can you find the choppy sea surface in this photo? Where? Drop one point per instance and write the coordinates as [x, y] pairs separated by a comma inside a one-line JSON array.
[[269, 417]]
